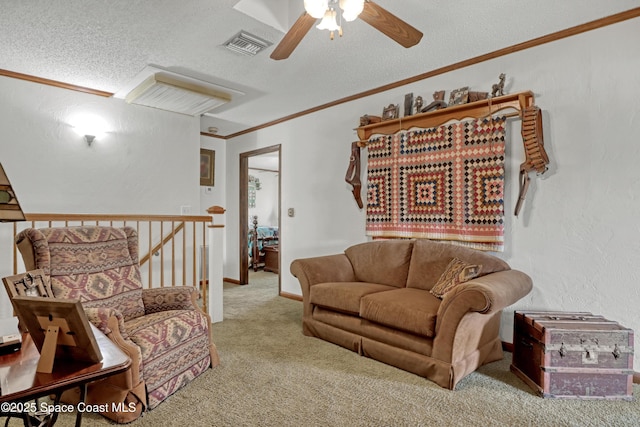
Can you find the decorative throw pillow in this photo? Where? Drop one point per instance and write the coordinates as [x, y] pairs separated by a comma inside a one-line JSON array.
[[457, 272]]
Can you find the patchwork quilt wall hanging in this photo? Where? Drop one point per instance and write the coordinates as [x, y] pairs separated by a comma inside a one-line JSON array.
[[442, 183]]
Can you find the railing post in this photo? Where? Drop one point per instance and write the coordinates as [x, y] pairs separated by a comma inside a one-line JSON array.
[[216, 246]]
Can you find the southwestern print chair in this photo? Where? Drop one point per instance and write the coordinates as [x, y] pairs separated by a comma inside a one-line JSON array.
[[163, 330]]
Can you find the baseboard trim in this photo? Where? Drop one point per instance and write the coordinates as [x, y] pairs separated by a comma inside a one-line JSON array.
[[234, 281], [507, 346], [291, 296]]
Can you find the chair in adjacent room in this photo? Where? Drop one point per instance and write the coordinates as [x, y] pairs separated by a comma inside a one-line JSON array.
[[163, 330]]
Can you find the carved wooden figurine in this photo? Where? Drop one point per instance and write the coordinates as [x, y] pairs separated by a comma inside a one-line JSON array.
[[477, 96], [408, 104], [367, 119], [418, 104], [438, 102], [498, 88]]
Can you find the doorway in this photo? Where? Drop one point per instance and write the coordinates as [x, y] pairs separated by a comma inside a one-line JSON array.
[[260, 210]]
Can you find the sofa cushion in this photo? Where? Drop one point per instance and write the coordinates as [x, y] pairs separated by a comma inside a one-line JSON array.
[[385, 261], [409, 309], [174, 348], [431, 258], [457, 272], [343, 296]]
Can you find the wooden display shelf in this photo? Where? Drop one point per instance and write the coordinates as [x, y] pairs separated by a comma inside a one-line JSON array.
[[477, 109]]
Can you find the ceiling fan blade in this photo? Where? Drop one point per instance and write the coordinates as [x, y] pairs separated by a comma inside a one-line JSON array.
[[297, 32], [390, 25]]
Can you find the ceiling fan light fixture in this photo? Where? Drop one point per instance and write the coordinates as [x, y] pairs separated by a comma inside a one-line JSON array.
[[366, 10], [351, 9], [316, 8], [329, 21]]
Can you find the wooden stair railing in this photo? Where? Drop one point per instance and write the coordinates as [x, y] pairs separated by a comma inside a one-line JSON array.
[[156, 248]]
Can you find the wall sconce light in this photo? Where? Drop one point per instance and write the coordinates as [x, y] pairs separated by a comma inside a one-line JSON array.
[[89, 127]]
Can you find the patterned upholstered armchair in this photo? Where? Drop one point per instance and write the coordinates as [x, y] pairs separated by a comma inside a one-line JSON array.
[[163, 330]]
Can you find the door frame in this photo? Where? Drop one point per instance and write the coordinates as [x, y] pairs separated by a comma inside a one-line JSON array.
[[244, 209]]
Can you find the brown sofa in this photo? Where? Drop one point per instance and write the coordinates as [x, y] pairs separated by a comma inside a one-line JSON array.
[[375, 299]]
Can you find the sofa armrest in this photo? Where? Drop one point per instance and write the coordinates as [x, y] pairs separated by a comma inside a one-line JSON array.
[[485, 295], [101, 317], [322, 269], [173, 298]]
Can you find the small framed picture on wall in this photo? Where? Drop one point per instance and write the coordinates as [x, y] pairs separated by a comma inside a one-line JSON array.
[[207, 167]]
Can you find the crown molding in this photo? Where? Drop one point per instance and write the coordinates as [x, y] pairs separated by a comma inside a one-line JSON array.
[[568, 32], [54, 83]]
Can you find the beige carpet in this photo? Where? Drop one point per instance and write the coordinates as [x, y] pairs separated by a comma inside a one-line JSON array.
[[272, 375]]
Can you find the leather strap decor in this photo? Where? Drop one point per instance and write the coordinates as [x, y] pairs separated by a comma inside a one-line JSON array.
[[353, 173], [535, 156]]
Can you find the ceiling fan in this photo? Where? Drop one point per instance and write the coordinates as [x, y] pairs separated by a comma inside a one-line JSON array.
[[368, 11]]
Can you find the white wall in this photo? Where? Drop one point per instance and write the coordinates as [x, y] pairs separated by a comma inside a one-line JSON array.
[[147, 162], [578, 233]]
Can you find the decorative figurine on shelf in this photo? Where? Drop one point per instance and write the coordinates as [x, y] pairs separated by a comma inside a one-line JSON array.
[[367, 119], [408, 104], [477, 96], [391, 112], [418, 104], [438, 102], [498, 88], [459, 96]]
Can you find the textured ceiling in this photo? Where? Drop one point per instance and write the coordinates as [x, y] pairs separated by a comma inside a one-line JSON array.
[[103, 45]]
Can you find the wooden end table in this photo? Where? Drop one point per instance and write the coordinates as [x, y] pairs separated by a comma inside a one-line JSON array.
[[20, 384]]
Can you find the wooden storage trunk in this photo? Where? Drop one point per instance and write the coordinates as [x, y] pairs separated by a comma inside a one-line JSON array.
[[573, 355], [271, 258]]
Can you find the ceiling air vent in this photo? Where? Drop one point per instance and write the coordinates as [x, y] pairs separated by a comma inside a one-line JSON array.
[[172, 94], [246, 44]]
